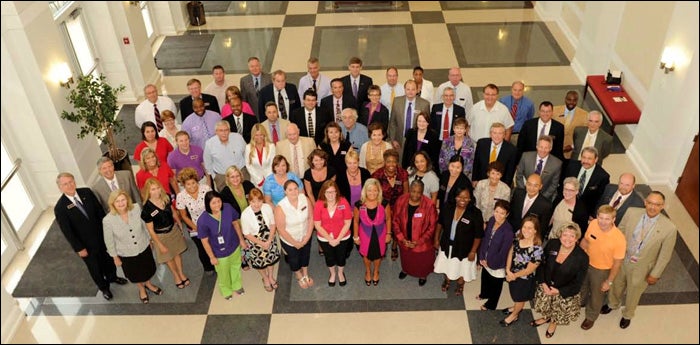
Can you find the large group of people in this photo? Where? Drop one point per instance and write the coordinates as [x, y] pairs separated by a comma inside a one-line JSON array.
[[419, 173]]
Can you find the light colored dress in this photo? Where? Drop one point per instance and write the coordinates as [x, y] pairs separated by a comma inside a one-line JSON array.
[[486, 199]]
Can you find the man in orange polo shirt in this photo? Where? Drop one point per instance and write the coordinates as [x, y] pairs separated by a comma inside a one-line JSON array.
[[605, 245]]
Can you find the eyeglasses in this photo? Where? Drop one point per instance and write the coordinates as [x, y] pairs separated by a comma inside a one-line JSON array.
[[657, 204], [569, 190]]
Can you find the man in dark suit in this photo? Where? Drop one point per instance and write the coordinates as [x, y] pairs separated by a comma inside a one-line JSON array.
[[357, 84], [530, 201], [318, 117], [194, 87], [503, 151], [592, 176], [110, 180], [542, 163], [284, 94], [239, 118], [252, 83], [621, 196], [442, 115], [591, 135], [79, 216], [338, 100], [533, 128]]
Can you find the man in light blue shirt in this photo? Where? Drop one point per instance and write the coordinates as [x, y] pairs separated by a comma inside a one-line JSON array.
[[353, 132], [521, 108], [222, 151]]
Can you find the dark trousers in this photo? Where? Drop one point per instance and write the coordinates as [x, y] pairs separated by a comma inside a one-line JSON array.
[[297, 258], [101, 267], [491, 288], [336, 256], [203, 257]]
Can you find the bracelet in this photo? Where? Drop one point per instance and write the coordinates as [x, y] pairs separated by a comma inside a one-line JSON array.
[[356, 238]]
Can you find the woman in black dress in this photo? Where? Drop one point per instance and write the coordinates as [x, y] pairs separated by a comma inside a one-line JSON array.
[[420, 138], [335, 146]]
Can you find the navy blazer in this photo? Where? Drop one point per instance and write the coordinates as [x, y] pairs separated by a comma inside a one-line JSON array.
[[210, 103], [348, 102], [527, 140], [382, 116], [362, 89], [81, 232], [541, 208], [431, 145], [249, 120], [597, 182], [268, 93], [634, 200], [436, 121], [507, 155], [322, 118]]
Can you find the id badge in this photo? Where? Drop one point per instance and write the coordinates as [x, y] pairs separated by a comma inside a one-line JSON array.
[[634, 259], [220, 239]]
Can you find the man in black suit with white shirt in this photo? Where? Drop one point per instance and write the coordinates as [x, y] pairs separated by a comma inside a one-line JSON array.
[[284, 94], [79, 216], [319, 117], [593, 178], [357, 84]]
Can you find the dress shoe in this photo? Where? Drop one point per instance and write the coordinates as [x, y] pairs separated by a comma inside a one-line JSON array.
[[506, 311], [587, 324], [624, 323], [605, 309], [403, 275], [342, 282], [107, 294], [422, 281], [505, 323], [120, 281]]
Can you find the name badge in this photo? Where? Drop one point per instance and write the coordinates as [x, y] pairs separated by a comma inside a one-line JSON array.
[[363, 208], [195, 128], [465, 220], [438, 113], [553, 253], [206, 104], [343, 152], [220, 239], [303, 208], [71, 206], [634, 259], [425, 141], [154, 213], [461, 99], [194, 157], [417, 215], [341, 207]]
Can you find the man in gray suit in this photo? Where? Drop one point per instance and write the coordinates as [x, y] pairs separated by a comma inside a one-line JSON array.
[[651, 237], [592, 136], [542, 163], [111, 180], [408, 104], [253, 82], [621, 196]]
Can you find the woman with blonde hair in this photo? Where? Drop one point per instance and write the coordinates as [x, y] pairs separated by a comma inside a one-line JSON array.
[[259, 154], [159, 215], [152, 166], [128, 243], [372, 228]]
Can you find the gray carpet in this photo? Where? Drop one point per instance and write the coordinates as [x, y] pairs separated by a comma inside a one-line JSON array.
[[185, 51], [55, 271], [211, 7]]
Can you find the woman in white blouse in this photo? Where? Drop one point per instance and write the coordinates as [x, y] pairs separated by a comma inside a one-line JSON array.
[[294, 219], [260, 232], [259, 154], [128, 242]]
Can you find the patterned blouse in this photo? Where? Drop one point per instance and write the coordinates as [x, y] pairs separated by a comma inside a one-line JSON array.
[[391, 193], [467, 153], [523, 256]]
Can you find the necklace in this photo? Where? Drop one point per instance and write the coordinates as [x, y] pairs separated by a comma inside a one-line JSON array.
[[353, 175]]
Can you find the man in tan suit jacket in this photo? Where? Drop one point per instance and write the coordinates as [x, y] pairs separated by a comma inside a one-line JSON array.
[[397, 121], [121, 180], [303, 145], [651, 237], [273, 117], [571, 117]]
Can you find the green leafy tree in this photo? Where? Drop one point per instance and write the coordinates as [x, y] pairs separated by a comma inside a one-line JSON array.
[[95, 108]]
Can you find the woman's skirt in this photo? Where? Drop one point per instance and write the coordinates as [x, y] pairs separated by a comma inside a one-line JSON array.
[[455, 268], [562, 310], [139, 268], [175, 243]]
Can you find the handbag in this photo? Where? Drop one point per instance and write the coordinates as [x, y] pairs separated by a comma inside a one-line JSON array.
[[614, 77]]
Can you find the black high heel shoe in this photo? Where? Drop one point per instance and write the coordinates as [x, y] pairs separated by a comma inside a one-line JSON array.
[[368, 282], [504, 323], [375, 282]]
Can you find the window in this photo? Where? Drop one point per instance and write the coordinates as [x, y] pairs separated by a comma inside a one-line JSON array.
[[79, 41], [146, 14]]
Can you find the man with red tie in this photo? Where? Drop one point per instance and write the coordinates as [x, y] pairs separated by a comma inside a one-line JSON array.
[[443, 114]]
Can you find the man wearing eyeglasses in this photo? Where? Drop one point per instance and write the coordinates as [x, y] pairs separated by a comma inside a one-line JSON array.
[[651, 237]]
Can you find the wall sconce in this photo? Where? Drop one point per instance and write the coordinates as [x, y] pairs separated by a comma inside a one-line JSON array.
[[668, 60], [62, 74], [135, 3]]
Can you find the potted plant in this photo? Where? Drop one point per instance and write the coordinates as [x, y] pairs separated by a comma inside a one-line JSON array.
[[95, 108]]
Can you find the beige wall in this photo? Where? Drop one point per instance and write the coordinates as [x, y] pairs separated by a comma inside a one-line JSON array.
[[640, 39]]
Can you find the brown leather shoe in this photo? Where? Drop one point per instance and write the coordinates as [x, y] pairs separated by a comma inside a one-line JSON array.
[[587, 324]]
